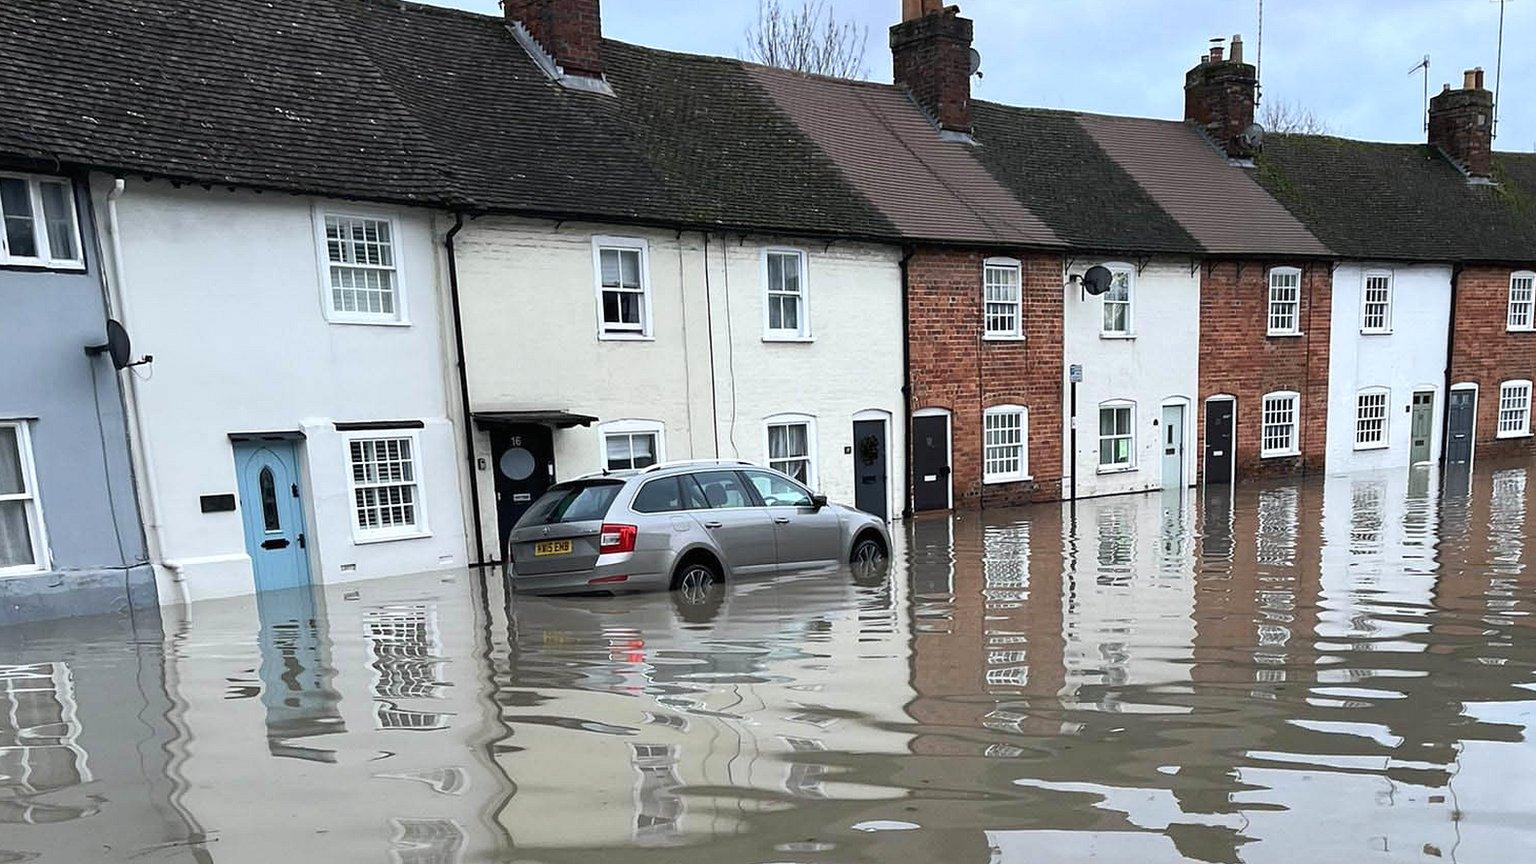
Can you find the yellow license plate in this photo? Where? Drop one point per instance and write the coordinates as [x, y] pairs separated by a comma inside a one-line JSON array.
[[552, 547]]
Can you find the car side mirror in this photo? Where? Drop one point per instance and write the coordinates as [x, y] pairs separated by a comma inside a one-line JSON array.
[[818, 501]]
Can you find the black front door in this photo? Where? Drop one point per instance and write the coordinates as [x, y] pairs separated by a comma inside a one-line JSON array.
[[870, 481], [930, 463], [525, 468], [1218, 440], [1460, 413]]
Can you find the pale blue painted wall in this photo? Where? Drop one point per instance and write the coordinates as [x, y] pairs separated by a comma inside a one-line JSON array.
[[83, 467]]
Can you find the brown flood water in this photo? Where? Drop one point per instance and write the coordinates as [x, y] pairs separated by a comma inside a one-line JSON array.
[[1338, 669]]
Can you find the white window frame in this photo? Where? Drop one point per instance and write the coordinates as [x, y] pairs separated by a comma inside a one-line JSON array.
[[45, 257], [1295, 424], [1525, 427], [1098, 453], [811, 474], [626, 427], [646, 332], [1294, 302], [400, 317], [1003, 265], [32, 503], [1119, 269], [1022, 473], [801, 333], [1365, 304], [1529, 303], [362, 535], [1385, 439]]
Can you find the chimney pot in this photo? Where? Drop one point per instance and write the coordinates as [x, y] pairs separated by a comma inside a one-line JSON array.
[[1473, 79], [1216, 53], [1237, 48]]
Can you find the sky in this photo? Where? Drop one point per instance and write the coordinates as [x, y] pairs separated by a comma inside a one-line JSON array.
[[1346, 61]]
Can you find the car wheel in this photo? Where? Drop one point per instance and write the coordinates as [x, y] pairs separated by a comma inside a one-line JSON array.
[[868, 555], [695, 582]]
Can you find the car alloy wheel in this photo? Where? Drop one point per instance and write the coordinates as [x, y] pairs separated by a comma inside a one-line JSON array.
[[868, 555], [695, 583]]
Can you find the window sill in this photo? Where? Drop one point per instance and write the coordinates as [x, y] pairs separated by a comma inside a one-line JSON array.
[[773, 337], [1368, 447], [1011, 478], [625, 337], [1115, 469], [370, 539], [40, 266], [1375, 332], [1103, 335], [368, 322], [1520, 329], [1279, 454], [26, 570], [1503, 435], [1001, 338], [1287, 334]]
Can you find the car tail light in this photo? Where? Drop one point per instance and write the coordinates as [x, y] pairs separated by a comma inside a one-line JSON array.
[[617, 538]]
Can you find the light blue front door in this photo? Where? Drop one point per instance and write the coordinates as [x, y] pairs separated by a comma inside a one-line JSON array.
[[273, 513]]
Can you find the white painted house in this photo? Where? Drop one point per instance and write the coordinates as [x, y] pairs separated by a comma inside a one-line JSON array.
[[294, 424], [1387, 357], [595, 347], [1138, 345]]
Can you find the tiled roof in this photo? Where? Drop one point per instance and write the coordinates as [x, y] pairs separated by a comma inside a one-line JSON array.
[[1402, 201]]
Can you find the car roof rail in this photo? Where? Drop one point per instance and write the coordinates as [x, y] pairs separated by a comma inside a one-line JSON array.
[[606, 472], [682, 463]]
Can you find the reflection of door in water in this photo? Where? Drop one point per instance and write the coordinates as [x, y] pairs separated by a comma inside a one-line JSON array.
[[930, 462], [525, 468], [1173, 446], [1421, 427], [1219, 458], [869, 477], [273, 513], [296, 673]]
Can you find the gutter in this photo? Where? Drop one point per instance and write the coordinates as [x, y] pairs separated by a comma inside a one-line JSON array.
[[906, 381], [478, 559], [149, 488]]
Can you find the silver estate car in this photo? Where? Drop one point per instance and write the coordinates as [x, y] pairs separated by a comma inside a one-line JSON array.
[[684, 526]]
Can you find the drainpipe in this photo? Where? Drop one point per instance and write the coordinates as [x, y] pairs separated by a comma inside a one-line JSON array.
[[149, 488], [1450, 357], [906, 382], [469, 420]]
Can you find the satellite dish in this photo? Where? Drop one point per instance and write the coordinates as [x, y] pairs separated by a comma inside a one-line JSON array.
[[118, 346], [975, 62], [1253, 137], [1097, 280]]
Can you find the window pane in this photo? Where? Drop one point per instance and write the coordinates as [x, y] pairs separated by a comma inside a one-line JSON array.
[[775, 273], [59, 221], [610, 264], [643, 448], [659, 496], [630, 274], [791, 313], [619, 457], [269, 516], [11, 479], [16, 204], [15, 535], [791, 266], [778, 492]]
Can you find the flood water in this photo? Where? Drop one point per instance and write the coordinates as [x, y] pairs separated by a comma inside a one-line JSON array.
[[1328, 670]]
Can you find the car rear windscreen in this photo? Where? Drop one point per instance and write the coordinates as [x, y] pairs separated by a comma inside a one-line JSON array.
[[581, 501]]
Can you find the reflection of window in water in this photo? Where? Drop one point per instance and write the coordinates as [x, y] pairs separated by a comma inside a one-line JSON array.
[[1005, 565], [804, 779], [1367, 500], [406, 656], [1279, 519], [1117, 545], [1506, 519], [670, 720], [657, 804], [427, 841], [39, 735]]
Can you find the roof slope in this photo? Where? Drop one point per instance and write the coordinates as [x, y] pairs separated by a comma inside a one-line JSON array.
[[1402, 201]]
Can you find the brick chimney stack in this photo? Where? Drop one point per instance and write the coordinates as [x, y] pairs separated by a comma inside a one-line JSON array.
[[931, 58], [569, 31], [1219, 96], [1461, 125]]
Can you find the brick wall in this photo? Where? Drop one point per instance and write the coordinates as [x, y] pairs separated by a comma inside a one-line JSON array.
[[953, 368], [571, 31], [1237, 358], [1485, 353]]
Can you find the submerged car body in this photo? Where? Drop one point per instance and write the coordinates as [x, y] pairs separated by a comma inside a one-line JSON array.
[[683, 526]]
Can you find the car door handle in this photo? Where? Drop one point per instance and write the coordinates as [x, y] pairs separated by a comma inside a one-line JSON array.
[[781, 520], [280, 543], [714, 524]]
